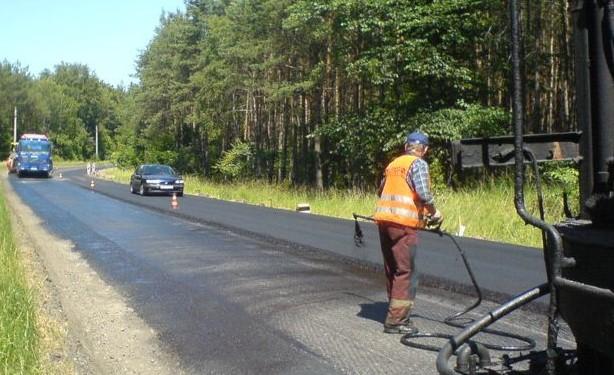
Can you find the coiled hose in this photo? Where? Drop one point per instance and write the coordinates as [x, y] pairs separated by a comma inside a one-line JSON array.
[[458, 319]]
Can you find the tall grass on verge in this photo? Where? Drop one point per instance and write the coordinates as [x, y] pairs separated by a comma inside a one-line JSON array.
[[18, 329], [486, 210], [61, 163]]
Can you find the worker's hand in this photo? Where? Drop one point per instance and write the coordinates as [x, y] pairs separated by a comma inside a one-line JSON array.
[[435, 219]]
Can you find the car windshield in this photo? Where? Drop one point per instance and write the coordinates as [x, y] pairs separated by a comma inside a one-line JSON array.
[[34, 146], [158, 170]]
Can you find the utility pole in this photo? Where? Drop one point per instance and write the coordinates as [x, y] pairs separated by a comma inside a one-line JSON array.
[[15, 126], [96, 142]]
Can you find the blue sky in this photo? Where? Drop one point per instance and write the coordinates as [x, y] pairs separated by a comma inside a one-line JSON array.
[[105, 35]]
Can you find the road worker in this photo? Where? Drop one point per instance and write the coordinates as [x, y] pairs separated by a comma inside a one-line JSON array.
[[405, 205]]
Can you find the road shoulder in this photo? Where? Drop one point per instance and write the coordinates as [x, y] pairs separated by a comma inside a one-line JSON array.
[[87, 327]]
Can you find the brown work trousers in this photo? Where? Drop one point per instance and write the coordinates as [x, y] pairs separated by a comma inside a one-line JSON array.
[[399, 245]]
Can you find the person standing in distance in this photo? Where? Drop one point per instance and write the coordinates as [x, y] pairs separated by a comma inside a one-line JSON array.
[[405, 205]]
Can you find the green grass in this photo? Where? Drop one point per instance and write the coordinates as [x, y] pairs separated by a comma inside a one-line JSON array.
[[60, 163], [67, 163], [19, 339], [485, 210]]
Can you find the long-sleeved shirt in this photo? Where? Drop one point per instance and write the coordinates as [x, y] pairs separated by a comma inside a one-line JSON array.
[[418, 178]]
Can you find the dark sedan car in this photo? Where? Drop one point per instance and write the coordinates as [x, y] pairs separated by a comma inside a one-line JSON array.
[[156, 178]]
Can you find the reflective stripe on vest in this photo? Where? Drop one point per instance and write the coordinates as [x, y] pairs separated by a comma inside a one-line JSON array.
[[398, 211], [397, 198], [398, 202]]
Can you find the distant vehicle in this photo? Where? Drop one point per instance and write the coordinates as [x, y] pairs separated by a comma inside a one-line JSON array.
[[156, 178], [33, 155]]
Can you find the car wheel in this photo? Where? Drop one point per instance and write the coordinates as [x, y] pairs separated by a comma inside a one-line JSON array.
[[131, 188], [180, 194], [142, 190]]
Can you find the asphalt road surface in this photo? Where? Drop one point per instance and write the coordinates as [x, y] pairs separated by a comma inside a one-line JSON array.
[[229, 300], [502, 270]]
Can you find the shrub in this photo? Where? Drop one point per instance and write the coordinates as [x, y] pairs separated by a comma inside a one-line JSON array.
[[561, 174], [358, 146], [464, 121], [451, 124], [235, 162], [161, 156]]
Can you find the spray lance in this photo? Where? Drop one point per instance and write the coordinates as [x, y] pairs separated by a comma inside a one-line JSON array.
[[358, 236]]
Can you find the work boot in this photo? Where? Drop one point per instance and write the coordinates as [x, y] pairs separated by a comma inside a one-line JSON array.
[[405, 328]]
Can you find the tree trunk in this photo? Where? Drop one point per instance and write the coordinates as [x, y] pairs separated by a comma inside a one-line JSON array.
[[537, 95], [304, 132], [337, 93], [204, 149], [283, 165], [246, 132], [257, 135]]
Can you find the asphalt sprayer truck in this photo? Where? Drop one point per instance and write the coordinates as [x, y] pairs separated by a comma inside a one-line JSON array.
[[579, 252]]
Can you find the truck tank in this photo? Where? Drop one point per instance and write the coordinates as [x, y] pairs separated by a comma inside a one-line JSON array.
[[579, 252], [586, 285]]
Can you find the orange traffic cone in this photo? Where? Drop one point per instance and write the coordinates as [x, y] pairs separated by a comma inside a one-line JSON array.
[[92, 184], [174, 202]]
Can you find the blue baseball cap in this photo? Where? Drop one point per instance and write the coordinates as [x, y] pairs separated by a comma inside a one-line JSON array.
[[417, 138]]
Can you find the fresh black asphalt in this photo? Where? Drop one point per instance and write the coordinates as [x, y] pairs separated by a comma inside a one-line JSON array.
[[502, 270], [238, 289]]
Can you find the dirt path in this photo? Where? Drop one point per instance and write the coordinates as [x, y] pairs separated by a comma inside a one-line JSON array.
[[88, 328]]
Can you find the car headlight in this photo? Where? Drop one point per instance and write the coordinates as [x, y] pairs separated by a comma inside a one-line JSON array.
[[179, 181], [153, 181]]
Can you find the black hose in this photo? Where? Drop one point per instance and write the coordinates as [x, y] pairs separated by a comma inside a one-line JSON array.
[[455, 319], [609, 21], [479, 326], [553, 252]]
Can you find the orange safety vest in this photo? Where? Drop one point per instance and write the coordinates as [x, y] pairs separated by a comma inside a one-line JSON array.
[[399, 203]]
